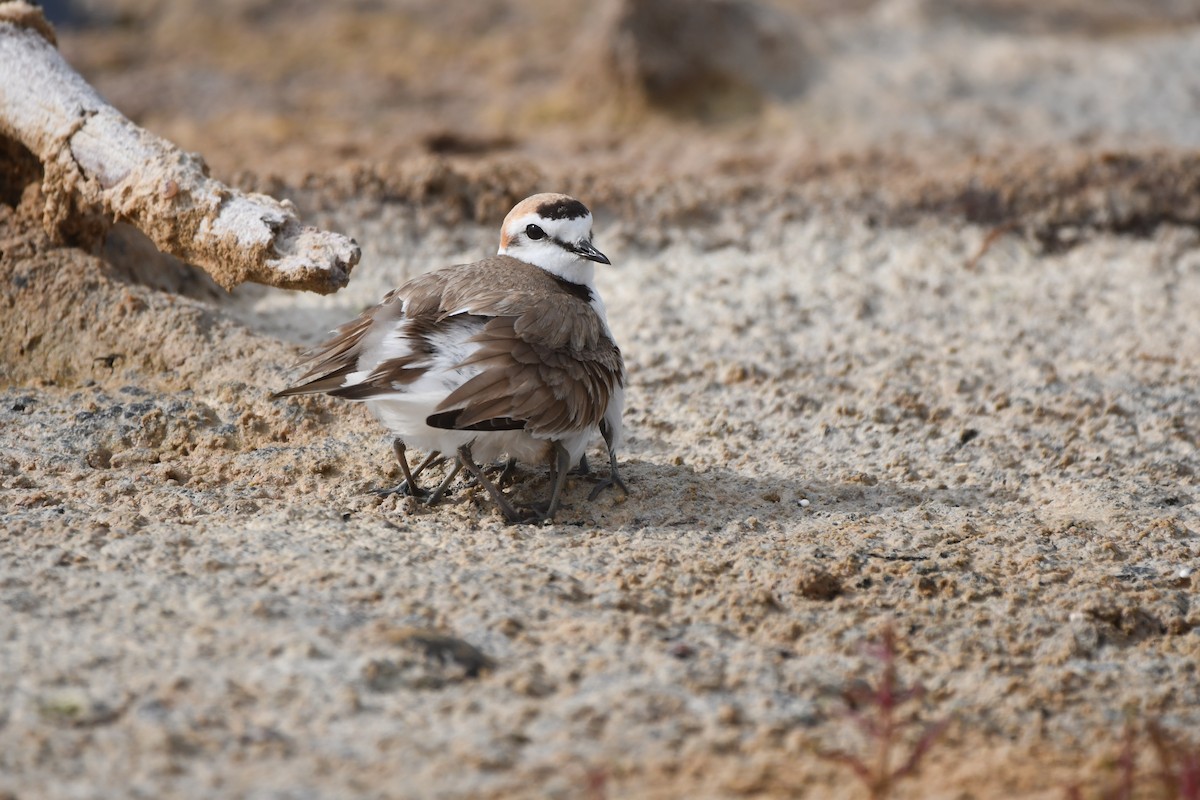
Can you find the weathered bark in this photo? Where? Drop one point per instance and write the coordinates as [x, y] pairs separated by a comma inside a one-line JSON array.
[[100, 168]]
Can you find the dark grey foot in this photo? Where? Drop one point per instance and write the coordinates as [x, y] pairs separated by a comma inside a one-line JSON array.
[[560, 464], [403, 489], [612, 480], [501, 472], [538, 513], [408, 487], [511, 514], [433, 499], [614, 474], [504, 473]]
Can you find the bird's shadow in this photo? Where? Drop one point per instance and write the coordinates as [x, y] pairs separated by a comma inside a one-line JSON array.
[[683, 496]]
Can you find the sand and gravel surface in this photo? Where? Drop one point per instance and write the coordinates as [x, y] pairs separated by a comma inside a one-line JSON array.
[[913, 346]]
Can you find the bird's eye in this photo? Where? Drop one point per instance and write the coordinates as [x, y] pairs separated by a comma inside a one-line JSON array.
[[534, 232]]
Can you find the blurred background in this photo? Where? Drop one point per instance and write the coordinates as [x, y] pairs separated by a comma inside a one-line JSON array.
[[907, 292], [648, 87]]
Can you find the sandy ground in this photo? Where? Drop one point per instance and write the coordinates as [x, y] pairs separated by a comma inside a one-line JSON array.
[[918, 348]]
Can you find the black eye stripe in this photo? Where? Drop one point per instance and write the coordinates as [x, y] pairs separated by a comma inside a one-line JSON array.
[[534, 232]]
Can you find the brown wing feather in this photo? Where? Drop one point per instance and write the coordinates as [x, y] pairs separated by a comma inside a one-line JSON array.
[[554, 390], [332, 360]]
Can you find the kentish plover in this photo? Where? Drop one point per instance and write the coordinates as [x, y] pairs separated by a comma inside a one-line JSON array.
[[511, 355]]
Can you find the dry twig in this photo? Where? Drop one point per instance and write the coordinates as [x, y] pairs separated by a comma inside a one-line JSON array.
[[100, 168]]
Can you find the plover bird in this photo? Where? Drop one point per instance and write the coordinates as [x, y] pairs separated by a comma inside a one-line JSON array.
[[508, 356]]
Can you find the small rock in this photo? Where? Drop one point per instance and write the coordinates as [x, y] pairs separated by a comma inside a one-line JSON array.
[[133, 456], [76, 707], [100, 458], [510, 627], [444, 648], [533, 682], [815, 583], [681, 650]]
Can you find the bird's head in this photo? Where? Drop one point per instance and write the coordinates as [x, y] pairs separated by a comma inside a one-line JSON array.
[[554, 232]]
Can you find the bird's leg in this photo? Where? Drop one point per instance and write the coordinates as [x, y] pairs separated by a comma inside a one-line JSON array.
[[441, 489], [468, 463], [408, 486], [502, 468], [506, 472], [559, 468], [432, 459], [583, 469], [614, 476]]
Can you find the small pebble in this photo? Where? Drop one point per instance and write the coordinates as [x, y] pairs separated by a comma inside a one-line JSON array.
[[804, 503], [682, 650]]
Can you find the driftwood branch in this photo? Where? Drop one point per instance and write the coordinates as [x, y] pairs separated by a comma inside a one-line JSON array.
[[100, 168]]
